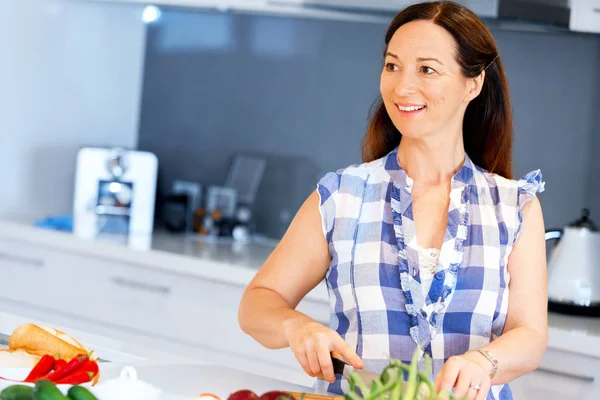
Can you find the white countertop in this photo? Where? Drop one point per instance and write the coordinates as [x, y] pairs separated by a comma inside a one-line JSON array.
[[237, 264], [233, 263], [574, 334], [178, 377]]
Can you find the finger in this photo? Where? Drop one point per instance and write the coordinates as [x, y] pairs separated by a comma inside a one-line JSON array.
[[448, 375], [301, 357], [313, 360], [344, 348], [326, 363], [462, 388], [483, 391], [471, 394]]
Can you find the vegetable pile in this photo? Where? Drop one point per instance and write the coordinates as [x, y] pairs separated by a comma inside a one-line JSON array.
[[398, 381], [45, 390], [80, 369]]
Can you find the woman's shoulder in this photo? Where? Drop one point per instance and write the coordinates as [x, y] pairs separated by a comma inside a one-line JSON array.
[[352, 174], [521, 189]]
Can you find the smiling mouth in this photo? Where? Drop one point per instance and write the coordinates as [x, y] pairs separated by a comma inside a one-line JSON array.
[[410, 108]]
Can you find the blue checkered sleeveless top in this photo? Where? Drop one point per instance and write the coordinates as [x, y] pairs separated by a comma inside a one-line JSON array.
[[377, 304]]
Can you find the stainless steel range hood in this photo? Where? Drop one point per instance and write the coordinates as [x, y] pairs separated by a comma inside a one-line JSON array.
[[508, 14], [548, 12], [528, 15]]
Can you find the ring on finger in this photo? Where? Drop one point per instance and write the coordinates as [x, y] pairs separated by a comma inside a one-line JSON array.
[[475, 386]]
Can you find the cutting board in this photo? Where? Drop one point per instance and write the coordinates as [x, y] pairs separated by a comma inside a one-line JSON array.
[[311, 396]]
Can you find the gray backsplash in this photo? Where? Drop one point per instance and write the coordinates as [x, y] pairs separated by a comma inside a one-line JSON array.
[[298, 91]]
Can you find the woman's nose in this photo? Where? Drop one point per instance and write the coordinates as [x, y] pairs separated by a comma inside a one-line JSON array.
[[405, 84]]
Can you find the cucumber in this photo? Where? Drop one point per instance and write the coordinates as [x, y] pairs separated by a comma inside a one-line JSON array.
[[46, 390], [17, 392], [80, 393]]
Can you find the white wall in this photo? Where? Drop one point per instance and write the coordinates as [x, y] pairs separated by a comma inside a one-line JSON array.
[[70, 75]]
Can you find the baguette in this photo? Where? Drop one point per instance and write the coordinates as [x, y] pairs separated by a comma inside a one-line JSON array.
[[37, 340]]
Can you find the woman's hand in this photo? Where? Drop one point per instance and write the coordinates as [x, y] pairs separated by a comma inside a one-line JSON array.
[[460, 372], [313, 343]]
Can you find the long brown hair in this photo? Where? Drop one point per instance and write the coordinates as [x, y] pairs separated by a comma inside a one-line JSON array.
[[487, 125]]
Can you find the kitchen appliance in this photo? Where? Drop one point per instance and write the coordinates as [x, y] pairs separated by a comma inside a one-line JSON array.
[[115, 191], [574, 268]]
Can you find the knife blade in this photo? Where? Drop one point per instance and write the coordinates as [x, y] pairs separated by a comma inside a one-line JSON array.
[[344, 369], [4, 340]]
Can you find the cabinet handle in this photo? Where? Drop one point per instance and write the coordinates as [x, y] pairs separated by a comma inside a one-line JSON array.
[[587, 379], [29, 262], [148, 287]]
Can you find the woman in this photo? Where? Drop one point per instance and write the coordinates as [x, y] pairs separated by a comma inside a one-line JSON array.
[[430, 242]]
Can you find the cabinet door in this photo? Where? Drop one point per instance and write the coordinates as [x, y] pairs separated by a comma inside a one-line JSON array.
[[186, 310], [25, 273], [585, 16], [545, 384]]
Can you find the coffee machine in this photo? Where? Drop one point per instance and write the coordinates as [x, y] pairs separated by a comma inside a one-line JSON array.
[[115, 192]]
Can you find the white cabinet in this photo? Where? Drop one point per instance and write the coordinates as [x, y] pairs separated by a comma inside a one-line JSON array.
[[177, 308], [585, 16], [550, 385], [562, 375]]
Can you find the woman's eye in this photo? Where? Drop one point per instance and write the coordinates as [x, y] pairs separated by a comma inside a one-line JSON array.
[[390, 67], [427, 70]]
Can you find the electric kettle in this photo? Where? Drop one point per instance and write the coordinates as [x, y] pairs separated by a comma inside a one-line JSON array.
[[574, 268]]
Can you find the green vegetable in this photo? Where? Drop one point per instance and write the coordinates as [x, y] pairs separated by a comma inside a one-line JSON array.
[[17, 392], [46, 390], [391, 384], [80, 393]]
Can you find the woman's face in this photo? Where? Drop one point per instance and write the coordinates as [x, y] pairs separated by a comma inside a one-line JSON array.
[[423, 89]]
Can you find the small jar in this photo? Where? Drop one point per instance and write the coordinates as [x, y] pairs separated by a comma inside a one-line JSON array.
[[126, 387]]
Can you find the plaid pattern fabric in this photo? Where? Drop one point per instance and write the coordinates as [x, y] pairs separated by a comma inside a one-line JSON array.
[[373, 280]]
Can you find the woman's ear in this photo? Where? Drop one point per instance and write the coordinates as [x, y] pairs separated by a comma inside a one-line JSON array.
[[474, 86]]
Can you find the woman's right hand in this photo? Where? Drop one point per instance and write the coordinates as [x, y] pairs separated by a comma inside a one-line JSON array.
[[312, 345]]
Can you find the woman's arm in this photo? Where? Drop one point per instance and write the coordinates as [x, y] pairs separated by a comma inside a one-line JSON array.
[[520, 348], [267, 310]]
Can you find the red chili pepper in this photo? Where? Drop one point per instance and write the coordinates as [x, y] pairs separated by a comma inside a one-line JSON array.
[[43, 367], [86, 371], [71, 366], [60, 363], [76, 378], [90, 366]]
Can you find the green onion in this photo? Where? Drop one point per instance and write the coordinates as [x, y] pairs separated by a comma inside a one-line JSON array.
[[411, 387]]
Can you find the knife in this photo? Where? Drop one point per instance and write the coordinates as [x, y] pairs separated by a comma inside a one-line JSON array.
[[344, 369]]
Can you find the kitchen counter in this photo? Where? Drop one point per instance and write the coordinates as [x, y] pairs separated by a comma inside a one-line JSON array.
[[574, 334], [228, 262], [177, 376], [237, 264]]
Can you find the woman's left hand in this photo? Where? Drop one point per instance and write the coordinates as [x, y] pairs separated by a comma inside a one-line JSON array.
[[466, 376]]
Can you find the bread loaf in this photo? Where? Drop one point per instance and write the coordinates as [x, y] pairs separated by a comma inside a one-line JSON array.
[[37, 340]]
